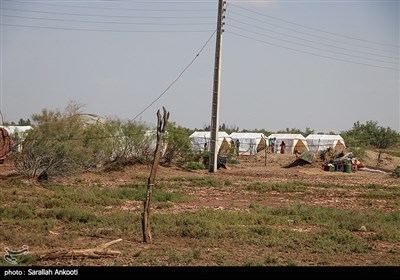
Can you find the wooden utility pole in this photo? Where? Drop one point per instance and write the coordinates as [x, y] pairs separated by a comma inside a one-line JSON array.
[[213, 162], [161, 125]]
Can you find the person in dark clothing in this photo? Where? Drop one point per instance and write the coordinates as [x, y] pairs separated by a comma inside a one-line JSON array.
[[283, 147], [237, 146]]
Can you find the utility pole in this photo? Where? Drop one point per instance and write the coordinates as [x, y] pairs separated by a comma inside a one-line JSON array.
[[213, 162]]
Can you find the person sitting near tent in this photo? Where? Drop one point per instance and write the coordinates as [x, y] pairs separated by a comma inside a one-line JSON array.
[[357, 163], [283, 147], [297, 153]]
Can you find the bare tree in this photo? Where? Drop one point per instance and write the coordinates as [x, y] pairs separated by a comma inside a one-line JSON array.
[[162, 122]]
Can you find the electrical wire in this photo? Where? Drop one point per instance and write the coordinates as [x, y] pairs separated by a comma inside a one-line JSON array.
[[108, 16], [311, 53], [105, 30], [117, 9], [316, 48], [106, 22], [311, 41], [178, 77], [312, 35], [316, 29]]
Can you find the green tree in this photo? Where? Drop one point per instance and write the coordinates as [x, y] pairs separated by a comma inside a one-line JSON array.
[[178, 144], [23, 122], [55, 145], [308, 131], [370, 135], [129, 142]]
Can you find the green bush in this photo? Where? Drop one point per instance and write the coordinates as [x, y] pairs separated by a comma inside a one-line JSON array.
[[396, 172], [233, 161], [63, 143], [194, 165]]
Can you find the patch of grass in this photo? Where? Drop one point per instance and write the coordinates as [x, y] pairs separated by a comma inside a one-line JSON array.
[[185, 257], [271, 260], [338, 241], [233, 161], [378, 194], [279, 187], [137, 254], [201, 181], [393, 153], [61, 202], [220, 258], [98, 196], [70, 215], [254, 206], [334, 218], [18, 212], [396, 171], [253, 263], [27, 259], [74, 211], [194, 165], [163, 205]]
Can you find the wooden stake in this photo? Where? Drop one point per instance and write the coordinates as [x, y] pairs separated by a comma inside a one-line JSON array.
[[161, 125]]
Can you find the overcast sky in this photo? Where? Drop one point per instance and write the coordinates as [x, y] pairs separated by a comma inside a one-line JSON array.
[[285, 64]]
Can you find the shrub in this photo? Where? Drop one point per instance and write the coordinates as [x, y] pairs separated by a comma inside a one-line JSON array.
[[194, 165], [396, 172], [63, 143]]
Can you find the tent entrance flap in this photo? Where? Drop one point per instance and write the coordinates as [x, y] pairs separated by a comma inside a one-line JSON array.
[[300, 146]]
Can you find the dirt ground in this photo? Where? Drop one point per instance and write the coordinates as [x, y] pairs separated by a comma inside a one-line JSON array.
[[231, 197]]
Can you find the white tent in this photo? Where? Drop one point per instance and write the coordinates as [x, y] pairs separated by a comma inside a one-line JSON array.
[[292, 142], [250, 143], [320, 142], [199, 138]]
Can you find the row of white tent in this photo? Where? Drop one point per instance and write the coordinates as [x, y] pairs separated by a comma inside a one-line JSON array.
[[251, 143]]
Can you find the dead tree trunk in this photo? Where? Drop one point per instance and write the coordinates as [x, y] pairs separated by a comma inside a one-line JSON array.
[[98, 252], [379, 158], [161, 125]]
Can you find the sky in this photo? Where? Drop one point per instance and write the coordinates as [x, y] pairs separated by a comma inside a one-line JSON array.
[[321, 65]]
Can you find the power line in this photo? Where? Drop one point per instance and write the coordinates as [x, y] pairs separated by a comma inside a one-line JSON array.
[[108, 16], [316, 29], [312, 35], [316, 48], [104, 30], [311, 41], [106, 22], [311, 53], [177, 78], [118, 9]]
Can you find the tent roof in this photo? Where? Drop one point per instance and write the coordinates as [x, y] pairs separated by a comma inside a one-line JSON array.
[[287, 136], [91, 119], [17, 128], [324, 137], [243, 135], [207, 134]]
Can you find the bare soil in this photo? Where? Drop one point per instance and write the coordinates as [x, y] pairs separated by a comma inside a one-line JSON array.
[[233, 197]]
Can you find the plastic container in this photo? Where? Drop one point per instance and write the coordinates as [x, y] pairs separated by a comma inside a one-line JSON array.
[[339, 167], [348, 167]]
